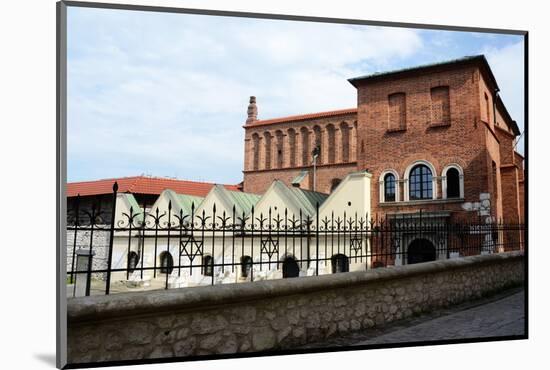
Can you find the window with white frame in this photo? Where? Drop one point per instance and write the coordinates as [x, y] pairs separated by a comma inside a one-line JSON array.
[[453, 182], [420, 181], [389, 186]]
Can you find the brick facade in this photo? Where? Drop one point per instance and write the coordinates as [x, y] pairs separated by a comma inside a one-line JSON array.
[[281, 149], [446, 116]]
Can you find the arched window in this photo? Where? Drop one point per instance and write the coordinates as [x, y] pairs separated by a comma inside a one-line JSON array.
[[280, 149], [331, 136], [344, 129], [267, 147], [340, 263], [453, 182], [166, 263], [256, 151], [207, 265], [305, 146], [389, 188], [334, 184], [246, 266], [133, 259], [292, 146], [420, 182]]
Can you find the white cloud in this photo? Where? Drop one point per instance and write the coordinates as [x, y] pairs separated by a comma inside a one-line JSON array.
[[146, 87], [167, 93]]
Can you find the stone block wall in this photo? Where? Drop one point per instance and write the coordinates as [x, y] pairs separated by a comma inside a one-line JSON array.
[[100, 245], [277, 314]]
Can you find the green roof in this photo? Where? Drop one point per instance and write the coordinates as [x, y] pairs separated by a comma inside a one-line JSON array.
[[185, 201], [243, 201], [132, 202], [307, 200]]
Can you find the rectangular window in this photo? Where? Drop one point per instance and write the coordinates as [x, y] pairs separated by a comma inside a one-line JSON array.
[[441, 107], [487, 110], [397, 112]]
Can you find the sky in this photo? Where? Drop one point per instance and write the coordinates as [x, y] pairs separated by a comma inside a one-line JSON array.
[[166, 94]]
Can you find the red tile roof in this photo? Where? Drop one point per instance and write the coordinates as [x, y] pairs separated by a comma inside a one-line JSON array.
[[142, 185], [302, 117]]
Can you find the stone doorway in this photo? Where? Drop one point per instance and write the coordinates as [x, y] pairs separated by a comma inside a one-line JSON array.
[[420, 250]]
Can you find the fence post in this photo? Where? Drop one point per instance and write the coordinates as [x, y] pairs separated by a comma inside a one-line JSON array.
[[317, 239], [111, 238]]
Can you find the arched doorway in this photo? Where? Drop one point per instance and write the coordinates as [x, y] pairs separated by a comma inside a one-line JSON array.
[[166, 263], [420, 250], [340, 263], [290, 268]]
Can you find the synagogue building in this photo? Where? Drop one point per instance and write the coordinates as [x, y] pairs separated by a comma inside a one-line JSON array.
[[436, 138]]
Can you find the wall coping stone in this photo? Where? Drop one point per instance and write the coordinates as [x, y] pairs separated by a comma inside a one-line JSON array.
[[107, 307]]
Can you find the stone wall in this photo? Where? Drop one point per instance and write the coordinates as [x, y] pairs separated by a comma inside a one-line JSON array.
[[277, 314], [100, 246]]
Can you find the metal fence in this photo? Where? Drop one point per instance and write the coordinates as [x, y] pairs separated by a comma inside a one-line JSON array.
[[162, 249]]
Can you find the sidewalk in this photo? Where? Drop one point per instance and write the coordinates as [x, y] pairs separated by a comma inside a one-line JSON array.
[[501, 315]]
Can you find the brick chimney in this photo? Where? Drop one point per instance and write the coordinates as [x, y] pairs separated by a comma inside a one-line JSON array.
[[252, 111]]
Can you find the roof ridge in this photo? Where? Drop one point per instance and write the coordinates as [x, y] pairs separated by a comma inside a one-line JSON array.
[[302, 116], [466, 58]]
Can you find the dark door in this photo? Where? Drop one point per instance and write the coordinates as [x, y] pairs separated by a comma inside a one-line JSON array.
[[290, 268], [420, 250], [340, 263], [166, 263]]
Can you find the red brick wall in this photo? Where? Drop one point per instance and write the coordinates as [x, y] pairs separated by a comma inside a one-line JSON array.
[[258, 181], [461, 142], [448, 120], [337, 158]]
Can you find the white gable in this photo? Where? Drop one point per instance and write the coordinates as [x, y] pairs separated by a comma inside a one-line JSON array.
[[352, 196], [277, 198]]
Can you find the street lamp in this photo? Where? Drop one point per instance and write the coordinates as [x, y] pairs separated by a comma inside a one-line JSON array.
[[315, 153]]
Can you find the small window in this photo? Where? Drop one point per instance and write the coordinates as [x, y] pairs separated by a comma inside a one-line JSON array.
[[420, 183], [166, 263], [453, 183], [389, 188], [246, 266], [208, 266], [487, 110], [133, 259], [340, 263]]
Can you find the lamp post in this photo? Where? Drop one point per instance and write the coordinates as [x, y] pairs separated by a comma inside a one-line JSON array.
[[315, 153]]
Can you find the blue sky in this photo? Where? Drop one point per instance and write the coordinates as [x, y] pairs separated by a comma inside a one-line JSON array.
[[166, 94]]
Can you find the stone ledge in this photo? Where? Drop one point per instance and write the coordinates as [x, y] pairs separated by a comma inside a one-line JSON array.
[[96, 308]]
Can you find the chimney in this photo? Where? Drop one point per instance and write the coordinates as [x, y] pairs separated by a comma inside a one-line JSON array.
[[252, 111]]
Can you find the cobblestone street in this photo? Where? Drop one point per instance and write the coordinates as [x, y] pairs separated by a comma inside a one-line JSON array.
[[500, 315]]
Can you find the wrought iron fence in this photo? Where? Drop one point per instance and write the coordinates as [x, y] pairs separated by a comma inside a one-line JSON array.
[[163, 249]]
